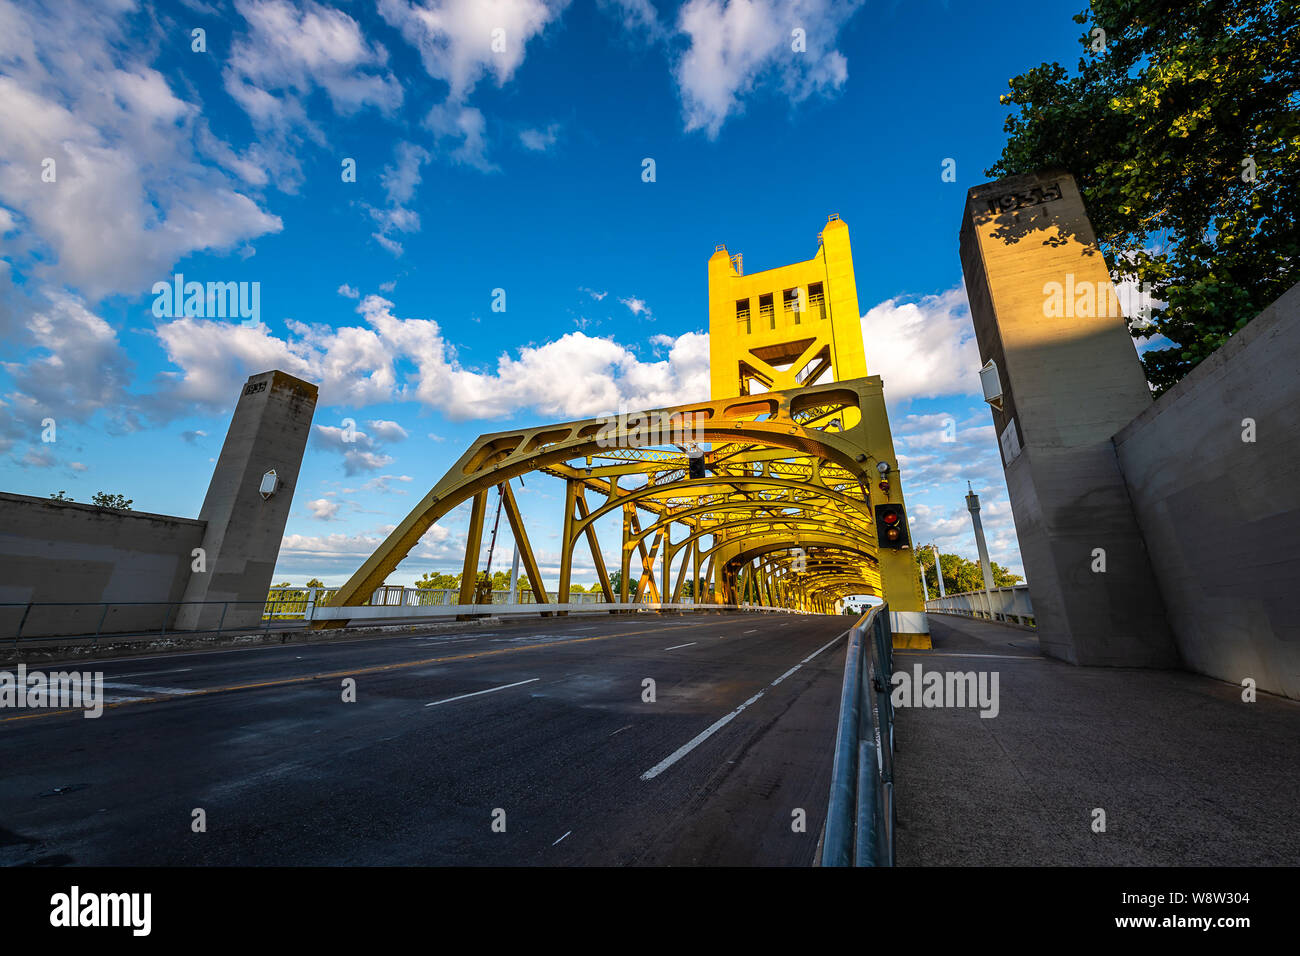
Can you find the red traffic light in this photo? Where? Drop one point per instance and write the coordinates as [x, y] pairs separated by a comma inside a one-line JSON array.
[[890, 526]]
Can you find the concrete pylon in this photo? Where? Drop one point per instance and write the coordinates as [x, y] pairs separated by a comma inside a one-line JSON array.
[[1062, 377], [246, 507]]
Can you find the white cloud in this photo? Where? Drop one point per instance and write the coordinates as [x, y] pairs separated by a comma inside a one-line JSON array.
[[636, 306], [539, 140], [737, 46], [323, 509], [637, 16], [38, 458], [348, 292], [571, 377], [132, 193], [289, 51], [923, 348], [455, 39], [81, 369], [386, 431], [399, 181]]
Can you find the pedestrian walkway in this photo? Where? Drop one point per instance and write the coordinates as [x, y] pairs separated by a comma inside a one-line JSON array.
[[1184, 771]]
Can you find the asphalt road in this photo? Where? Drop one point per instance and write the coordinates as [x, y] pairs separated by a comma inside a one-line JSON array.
[[545, 720]]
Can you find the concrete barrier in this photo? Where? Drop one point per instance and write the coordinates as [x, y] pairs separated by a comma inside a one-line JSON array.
[[1212, 471]]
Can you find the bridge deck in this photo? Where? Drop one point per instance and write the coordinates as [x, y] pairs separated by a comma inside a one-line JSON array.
[[1186, 772], [546, 719]]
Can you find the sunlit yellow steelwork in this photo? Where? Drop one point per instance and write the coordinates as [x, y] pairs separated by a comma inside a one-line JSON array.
[[781, 511]]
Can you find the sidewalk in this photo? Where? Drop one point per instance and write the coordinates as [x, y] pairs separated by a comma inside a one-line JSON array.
[[1185, 771]]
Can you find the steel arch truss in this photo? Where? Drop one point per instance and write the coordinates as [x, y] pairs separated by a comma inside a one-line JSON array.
[[780, 513]]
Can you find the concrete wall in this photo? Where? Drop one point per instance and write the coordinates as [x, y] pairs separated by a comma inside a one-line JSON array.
[[54, 552], [57, 551], [1221, 516]]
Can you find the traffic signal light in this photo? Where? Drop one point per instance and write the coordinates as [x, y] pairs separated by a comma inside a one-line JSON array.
[[695, 465], [891, 526]]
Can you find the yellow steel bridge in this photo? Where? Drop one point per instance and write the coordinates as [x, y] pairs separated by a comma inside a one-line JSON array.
[[783, 489]]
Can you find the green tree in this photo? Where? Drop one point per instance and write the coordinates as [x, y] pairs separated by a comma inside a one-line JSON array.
[[1182, 128], [959, 574], [62, 496], [315, 583], [438, 580], [103, 499]]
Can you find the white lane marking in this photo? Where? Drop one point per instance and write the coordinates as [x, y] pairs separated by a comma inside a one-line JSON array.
[[695, 741], [820, 649], [785, 675], [178, 691], [675, 646], [488, 691], [561, 838], [175, 670], [620, 730], [686, 748], [750, 631]]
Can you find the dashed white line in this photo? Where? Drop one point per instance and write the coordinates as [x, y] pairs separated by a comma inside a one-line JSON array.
[[752, 630], [676, 646], [820, 649], [620, 730], [561, 838], [695, 741], [169, 691], [175, 670], [785, 675], [704, 735], [488, 691]]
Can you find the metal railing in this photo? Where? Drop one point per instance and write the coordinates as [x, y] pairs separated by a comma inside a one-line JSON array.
[[296, 603], [287, 609], [860, 816], [1009, 605]]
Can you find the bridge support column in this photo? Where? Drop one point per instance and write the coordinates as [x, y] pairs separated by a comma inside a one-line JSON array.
[[246, 506], [1067, 379]]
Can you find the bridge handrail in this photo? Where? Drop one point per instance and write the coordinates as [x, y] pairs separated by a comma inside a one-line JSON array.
[[860, 813], [1008, 604]]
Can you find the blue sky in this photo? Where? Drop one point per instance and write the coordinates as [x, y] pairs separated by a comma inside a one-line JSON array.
[[476, 169]]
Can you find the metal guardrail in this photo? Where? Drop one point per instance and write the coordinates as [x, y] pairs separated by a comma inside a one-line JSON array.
[[1009, 605], [860, 816], [286, 608], [371, 612]]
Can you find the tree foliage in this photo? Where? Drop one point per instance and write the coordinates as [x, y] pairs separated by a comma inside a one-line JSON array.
[[1182, 129], [105, 500]]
